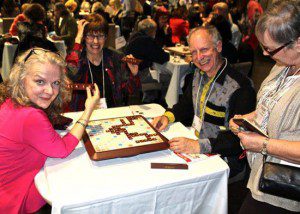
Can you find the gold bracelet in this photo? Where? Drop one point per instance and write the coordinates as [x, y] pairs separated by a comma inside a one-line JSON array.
[[84, 125]]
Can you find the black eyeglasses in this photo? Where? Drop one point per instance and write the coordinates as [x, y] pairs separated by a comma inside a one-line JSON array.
[[93, 37], [272, 53], [36, 51]]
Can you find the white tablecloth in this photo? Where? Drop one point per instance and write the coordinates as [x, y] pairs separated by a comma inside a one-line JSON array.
[[177, 70], [9, 52], [128, 185]]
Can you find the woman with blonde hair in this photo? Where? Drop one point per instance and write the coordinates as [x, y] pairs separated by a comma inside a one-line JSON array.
[[30, 101]]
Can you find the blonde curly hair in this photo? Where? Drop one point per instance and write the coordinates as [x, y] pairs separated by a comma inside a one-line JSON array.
[[14, 87]]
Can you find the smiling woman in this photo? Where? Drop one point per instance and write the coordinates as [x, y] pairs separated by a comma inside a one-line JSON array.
[[34, 94], [91, 62]]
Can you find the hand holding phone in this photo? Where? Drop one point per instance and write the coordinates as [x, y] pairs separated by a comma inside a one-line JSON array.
[[246, 125]]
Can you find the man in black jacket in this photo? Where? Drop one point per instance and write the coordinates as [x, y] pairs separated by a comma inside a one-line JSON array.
[[142, 45], [215, 95]]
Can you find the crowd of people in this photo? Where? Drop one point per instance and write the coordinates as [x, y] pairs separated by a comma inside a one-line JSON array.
[[218, 33]]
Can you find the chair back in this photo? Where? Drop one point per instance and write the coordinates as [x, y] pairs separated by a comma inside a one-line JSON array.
[[7, 21], [243, 67]]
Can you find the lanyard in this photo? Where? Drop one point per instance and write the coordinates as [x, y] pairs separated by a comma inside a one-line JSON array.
[[92, 78], [206, 88]]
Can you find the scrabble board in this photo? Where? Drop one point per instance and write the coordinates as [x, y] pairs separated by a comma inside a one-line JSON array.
[[122, 137]]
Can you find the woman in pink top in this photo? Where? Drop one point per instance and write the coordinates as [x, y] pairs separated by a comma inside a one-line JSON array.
[[34, 94]]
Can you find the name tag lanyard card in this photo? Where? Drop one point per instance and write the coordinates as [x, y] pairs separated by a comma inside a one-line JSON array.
[[103, 104], [198, 121]]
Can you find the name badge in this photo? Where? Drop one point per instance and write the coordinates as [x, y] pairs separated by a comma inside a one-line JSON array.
[[197, 123], [260, 113], [102, 103]]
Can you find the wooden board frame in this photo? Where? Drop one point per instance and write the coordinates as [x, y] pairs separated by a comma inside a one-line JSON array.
[[126, 152]]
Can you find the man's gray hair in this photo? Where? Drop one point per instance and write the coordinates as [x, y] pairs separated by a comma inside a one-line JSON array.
[[281, 21], [147, 25], [211, 30]]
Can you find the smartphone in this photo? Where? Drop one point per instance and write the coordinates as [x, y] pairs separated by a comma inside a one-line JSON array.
[[248, 126]]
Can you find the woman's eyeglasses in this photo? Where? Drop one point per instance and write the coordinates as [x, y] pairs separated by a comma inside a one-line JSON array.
[[37, 51], [93, 37], [273, 52]]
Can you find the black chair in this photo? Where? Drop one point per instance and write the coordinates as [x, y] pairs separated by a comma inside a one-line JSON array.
[[7, 21], [243, 67]]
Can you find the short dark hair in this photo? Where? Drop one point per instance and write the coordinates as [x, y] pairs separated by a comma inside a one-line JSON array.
[[97, 23], [62, 8], [35, 13]]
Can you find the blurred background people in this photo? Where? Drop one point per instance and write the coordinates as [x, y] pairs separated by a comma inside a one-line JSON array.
[[65, 26], [179, 25]]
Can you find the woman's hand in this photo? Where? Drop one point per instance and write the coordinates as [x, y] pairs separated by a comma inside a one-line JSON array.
[[233, 126], [184, 145], [80, 26], [134, 69], [251, 141], [93, 98]]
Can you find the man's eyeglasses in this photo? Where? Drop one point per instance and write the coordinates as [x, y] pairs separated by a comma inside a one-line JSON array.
[[93, 37], [38, 51], [273, 52]]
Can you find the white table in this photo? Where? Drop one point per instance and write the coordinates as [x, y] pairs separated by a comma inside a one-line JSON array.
[[128, 185], [9, 52], [177, 68]]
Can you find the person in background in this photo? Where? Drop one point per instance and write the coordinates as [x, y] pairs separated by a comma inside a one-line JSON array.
[[71, 6], [195, 15], [65, 26], [163, 36], [113, 8], [33, 96], [179, 25], [32, 32], [33, 24], [216, 93], [277, 111], [128, 17], [228, 49], [147, 9], [98, 8], [13, 30], [9, 9], [142, 45], [221, 8], [85, 8], [254, 11], [90, 62]]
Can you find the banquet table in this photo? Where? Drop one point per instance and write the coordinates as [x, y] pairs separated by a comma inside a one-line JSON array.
[[77, 184], [177, 67], [9, 52]]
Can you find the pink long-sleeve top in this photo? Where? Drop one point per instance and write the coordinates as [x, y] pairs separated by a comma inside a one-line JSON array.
[[27, 138]]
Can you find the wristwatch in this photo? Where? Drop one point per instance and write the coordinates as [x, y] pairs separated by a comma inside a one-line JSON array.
[[264, 147]]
